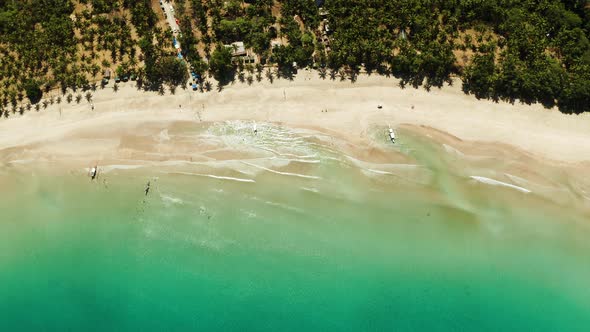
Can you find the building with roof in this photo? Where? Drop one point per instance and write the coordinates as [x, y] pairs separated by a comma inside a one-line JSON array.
[[238, 48]]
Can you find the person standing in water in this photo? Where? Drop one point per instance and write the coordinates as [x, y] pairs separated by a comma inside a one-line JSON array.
[[147, 188]]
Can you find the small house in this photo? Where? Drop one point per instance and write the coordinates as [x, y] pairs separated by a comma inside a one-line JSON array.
[[238, 48]]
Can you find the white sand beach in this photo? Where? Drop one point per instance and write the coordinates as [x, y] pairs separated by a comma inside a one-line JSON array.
[[127, 117]]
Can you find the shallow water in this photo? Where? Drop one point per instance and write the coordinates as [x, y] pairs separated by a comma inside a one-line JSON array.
[[313, 240]]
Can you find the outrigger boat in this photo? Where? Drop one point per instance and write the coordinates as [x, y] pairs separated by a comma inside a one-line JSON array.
[[391, 135], [93, 173]]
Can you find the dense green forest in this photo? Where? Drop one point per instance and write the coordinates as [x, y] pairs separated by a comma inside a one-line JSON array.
[[511, 50]]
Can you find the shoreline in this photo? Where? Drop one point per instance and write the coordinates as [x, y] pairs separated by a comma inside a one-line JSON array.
[[131, 117]]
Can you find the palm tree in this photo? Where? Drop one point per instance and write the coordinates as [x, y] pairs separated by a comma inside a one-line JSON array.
[[58, 99], [353, 76], [45, 104], [250, 79], [51, 100], [115, 87], [78, 98], [332, 74], [37, 107], [258, 77], [269, 75], [132, 61], [28, 107], [88, 96], [342, 74], [13, 100], [94, 69], [69, 98], [241, 76]]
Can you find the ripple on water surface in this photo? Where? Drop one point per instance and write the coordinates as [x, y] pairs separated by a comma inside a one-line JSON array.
[[351, 244]]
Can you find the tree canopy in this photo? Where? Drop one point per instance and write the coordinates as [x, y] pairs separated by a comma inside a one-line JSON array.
[[221, 64], [33, 91], [532, 51]]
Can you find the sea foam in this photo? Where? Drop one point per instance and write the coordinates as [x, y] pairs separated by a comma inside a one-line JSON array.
[[283, 173], [216, 177], [498, 183]]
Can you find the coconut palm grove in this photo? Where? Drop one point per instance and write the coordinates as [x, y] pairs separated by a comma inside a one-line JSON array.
[[530, 51]]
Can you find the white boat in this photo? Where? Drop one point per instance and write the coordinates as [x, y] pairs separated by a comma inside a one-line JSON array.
[[391, 135], [93, 172]]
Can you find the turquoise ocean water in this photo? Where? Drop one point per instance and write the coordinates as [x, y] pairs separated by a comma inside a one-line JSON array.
[[308, 240]]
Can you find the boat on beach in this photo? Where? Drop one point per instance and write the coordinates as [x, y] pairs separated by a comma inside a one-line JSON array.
[[391, 135], [93, 173]]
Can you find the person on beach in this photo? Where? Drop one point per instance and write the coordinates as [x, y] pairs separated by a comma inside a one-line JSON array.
[[147, 188]]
